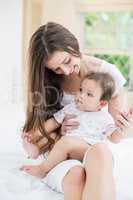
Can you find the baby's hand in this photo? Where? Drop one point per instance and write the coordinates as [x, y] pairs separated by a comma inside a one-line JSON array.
[[34, 170]]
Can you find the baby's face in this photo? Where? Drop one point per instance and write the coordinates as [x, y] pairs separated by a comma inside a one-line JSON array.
[[89, 95]]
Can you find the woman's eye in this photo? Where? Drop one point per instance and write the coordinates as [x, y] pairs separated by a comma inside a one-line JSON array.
[[68, 61], [58, 70], [80, 89]]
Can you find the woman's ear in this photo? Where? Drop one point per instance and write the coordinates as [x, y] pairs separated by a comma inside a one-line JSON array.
[[103, 103]]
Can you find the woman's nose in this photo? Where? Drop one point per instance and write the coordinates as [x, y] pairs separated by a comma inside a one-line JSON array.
[[66, 70], [81, 95]]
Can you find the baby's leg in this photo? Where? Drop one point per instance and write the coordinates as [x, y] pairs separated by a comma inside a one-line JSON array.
[[66, 147]]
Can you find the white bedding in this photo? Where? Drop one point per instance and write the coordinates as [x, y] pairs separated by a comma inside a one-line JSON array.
[[16, 185]]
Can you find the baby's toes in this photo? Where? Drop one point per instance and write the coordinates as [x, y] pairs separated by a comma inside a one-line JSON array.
[[31, 172], [22, 168], [25, 168]]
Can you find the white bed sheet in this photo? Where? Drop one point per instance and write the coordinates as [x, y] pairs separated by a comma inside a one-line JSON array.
[[16, 185]]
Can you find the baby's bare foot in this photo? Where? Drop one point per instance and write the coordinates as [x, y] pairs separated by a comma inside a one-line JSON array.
[[32, 136], [31, 149], [34, 170]]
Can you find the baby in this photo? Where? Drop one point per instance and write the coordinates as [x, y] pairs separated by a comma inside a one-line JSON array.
[[96, 124]]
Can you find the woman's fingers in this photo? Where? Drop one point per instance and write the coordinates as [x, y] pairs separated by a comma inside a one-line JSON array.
[[123, 119], [71, 123], [70, 116], [68, 120], [121, 126], [68, 128], [64, 129]]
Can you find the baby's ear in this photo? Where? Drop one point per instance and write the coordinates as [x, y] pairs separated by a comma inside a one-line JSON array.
[[103, 103]]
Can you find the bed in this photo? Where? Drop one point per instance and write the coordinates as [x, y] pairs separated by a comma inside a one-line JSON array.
[[16, 185]]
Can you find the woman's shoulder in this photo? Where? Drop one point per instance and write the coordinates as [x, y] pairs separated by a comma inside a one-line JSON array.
[[92, 60], [98, 65], [90, 63]]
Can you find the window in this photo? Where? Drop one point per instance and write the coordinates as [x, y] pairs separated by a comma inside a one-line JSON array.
[[108, 35]]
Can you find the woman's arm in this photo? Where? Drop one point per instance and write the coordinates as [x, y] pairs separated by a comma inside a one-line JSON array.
[[117, 104], [51, 125], [116, 136]]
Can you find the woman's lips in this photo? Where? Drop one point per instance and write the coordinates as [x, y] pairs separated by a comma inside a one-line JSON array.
[[76, 69]]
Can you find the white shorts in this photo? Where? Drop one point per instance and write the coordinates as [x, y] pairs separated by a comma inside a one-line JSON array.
[[54, 178]]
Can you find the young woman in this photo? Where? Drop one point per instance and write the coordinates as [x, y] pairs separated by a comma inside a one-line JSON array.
[[56, 69]]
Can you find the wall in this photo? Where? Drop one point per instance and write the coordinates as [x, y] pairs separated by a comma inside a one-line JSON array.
[[10, 52], [65, 13], [11, 101]]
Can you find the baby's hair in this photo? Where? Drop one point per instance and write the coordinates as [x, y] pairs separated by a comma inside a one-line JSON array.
[[106, 83]]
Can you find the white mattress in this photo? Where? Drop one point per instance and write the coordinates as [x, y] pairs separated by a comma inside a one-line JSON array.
[[16, 185]]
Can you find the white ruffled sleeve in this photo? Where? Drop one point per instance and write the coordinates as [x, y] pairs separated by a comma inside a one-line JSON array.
[[60, 115], [115, 73]]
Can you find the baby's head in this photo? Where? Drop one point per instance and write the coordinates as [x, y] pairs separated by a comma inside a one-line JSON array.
[[96, 90]]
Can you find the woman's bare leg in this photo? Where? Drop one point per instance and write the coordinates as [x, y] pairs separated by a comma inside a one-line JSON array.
[[99, 174], [73, 183]]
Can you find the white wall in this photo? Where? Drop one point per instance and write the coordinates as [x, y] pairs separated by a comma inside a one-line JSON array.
[[65, 13], [10, 51], [11, 107]]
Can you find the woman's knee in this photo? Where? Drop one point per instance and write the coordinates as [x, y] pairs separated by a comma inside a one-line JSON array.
[[99, 153], [75, 177]]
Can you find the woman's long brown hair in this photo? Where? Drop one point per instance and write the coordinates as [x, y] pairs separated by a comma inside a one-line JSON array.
[[44, 86]]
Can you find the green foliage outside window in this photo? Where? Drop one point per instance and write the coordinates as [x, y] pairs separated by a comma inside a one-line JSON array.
[[122, 62], [110, 31]]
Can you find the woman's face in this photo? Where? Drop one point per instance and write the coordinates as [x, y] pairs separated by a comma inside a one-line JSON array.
[[62, 62]]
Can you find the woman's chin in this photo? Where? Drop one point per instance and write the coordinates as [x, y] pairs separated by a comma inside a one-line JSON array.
[[74, 73]]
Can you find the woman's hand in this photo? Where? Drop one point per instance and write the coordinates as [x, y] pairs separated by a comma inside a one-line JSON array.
[[69, 124], [124, 121]]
